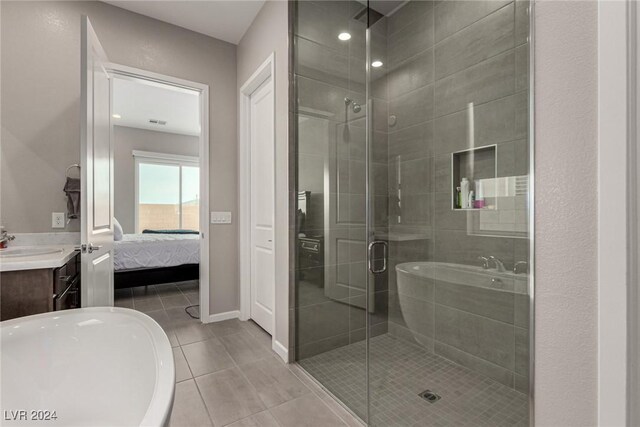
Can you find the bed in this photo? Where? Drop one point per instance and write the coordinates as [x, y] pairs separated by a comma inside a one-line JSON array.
[[148, 259]]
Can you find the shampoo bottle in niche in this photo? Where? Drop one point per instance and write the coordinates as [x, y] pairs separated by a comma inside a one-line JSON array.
[[464, 193], [479, 202]]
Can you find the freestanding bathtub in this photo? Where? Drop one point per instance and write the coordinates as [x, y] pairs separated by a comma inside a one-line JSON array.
[[479, 318], [98, 366], [419, 282]]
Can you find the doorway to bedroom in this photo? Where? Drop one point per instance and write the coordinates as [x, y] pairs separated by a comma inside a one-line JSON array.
[[159, 138]]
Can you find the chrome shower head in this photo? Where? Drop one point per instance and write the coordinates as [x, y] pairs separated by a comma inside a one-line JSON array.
[[354, 105]]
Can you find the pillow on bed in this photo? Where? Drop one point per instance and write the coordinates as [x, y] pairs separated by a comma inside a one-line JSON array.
[[117, 230]]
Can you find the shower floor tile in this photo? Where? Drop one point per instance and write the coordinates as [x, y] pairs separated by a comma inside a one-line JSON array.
[[400, 371]]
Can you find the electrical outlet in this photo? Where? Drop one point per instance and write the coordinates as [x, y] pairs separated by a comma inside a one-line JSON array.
[[57, 220]]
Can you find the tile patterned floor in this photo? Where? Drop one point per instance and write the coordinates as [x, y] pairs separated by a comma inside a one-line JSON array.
[[401, 370], [226, 372], [227, 375]]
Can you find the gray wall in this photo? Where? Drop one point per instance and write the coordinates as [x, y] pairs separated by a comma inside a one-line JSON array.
[[566, 247], [40, 111], [126, 140], [269, 33]]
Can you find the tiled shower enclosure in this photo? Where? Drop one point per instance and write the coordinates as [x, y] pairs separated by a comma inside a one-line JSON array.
[[402, 284]]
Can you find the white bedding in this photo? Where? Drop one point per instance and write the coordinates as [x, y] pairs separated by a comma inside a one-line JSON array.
[[156, 250]]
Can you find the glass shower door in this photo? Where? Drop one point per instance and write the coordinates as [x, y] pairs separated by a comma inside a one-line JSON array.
[[331, 212]]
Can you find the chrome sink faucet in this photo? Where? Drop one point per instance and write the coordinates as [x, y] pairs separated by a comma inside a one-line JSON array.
[[498, 263], [5, 238]]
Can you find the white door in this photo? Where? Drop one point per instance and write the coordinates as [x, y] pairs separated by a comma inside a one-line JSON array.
[[262, 206], [97, 173]]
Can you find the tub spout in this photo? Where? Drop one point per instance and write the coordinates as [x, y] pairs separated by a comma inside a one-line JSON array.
[[498, 263]]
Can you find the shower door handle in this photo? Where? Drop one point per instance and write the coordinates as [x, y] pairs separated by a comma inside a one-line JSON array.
[[371, 260]]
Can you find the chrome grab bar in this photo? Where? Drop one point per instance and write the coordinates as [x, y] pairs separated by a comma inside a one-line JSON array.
[[370, 259]]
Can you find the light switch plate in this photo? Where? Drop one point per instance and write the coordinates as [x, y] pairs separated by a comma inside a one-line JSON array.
[[57, 220], [220, 217]]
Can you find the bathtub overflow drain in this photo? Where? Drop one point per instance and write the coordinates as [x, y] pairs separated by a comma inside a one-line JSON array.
[[429, 396]]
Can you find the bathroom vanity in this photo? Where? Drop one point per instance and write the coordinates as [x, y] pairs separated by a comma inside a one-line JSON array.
[[37, 280]]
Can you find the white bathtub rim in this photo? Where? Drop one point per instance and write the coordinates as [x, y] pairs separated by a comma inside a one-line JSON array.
[[159, 410], [516, 282]]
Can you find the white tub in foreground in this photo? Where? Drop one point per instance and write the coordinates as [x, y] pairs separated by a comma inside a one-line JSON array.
[[98, 366]]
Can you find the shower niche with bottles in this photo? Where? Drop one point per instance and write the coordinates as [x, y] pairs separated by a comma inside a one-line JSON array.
[[473, 174]]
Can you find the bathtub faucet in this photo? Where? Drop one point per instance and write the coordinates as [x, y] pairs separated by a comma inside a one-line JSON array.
[[498, 263], [485, 262]]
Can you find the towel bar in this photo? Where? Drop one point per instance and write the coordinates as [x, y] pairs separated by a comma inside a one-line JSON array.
[[75, 165]]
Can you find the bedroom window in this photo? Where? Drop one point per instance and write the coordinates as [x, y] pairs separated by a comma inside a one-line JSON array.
[[167, 192]]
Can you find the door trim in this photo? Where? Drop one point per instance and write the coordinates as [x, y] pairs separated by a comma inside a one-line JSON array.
[[618, 230], [266, 71], [203, 143]]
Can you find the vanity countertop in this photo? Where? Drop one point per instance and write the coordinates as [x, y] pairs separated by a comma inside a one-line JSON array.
[[34, 262]]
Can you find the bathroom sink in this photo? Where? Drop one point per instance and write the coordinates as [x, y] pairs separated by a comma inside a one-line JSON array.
[[18, 252], [101, 366]]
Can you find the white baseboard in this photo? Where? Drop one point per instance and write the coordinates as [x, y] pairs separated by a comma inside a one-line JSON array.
[[219, 317], [280, 350]]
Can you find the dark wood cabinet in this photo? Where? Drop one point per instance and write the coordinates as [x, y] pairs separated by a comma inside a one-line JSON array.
[[27, 292]]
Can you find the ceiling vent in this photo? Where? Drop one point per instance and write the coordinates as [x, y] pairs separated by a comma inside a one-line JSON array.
[[158, 122]]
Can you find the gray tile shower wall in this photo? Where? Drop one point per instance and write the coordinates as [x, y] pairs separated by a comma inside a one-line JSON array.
[[442, 56]]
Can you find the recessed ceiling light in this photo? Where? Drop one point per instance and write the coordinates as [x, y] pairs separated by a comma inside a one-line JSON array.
[[344, 36], [116, 116], [377, 63]]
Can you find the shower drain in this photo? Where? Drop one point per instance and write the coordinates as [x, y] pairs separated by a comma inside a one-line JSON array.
[[429, 396]]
